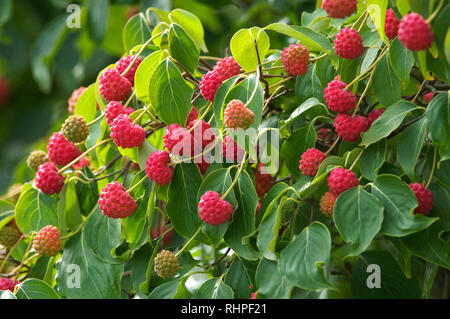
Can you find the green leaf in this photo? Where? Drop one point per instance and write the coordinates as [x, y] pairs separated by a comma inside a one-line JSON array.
[[410, 145], [377, 11], [358, 216], [387, 122], [383, 77], [399, 202], [242, 47], [6, 211], [270, 283], [401, 60], [191, 24], [182, 48], [136, 32], [301, 262], [69, 213], [236, 278], [403, 6], [308, 86], [87, 104], [165, 291], [304, 107], [215, 288], [98, 11], [169, 94], [438, 123], [35, 210], [35, 289], [372, 159]]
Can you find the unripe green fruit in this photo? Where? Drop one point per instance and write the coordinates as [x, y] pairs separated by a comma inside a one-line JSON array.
[[9, 236], [75, 129], [166, 264], [36, 159]]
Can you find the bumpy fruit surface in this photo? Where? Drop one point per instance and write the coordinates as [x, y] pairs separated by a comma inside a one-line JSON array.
[[114, 87], [36, 159], [236, 115], [350, 128], [74, 98], [424, 197], [193, 115], [327, 203], [310, 161], [373, 115], [75, 129], [123, 64], [295, 59], [415, 33], [47, 241], [178, 140], [61, 151], [7, 284], [166, 264], [428, 97], [348, 44], [339, 8], [202, 133], [341, 179], [126, 134], [263, 181], [48, 180], [115, 202], [9, 235], [227, 68], [391, 24], [337, 98], [213, 209], [209, 85], [114, 109], [231, 150], [157, 168]]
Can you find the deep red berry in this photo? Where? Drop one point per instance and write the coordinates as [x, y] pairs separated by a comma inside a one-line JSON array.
[[47, 241], [193, 115], [61, 151], [373, 115], [310, 161], [115, 202], [231, 150], [227, 68], [339, 8], [157, 168], [236, 115], [341, 179], [350, 128], [263, 181], [415, 33], [178, 141], [7, 284], [203, 134], [74, 98], [424, 197], [348, 44], [114, 87], [295, 59], [391, 24], [114, 109], [327, 203], [428, 97], [202, 164], [209, 85], [48, 180], [123, 64], [213, 209], [126, 134], [337, 98]]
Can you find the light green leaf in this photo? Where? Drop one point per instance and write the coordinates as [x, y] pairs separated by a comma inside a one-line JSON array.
[[215, 288], [182, 48], [384, 77], [372, 159], [35, 289], [191, 24], [377, 11], [242, 47]]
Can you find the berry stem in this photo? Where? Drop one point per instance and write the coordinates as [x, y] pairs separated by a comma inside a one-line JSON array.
[[130, 99], [356, 159], [271, 97], [318, 58], [418, 91], [10, 253], [280, 82], [203, 57], [137, 184], [235, 178], [96, 120], [188, 242], [364, 92], [364, 14], [435, 12], [432, 168], [27, 251], [332, 146], [274, 68], [363, 22]]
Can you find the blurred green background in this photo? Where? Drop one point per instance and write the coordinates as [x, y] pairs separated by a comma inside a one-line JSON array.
[[42, 61]]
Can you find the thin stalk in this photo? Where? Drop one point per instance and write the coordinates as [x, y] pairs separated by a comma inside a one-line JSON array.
[[435, 12], [332, 146], [23, 260], [356, 159], [188, 242], [10, 252], [137, 184], [364, 92], [418, 92], [235, 178], [368, 69], [432, 168], [281, 82], [96, 120]]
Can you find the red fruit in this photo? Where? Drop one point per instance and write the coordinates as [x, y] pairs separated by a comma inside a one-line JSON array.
[[114, 87], [81, 163], [61, 151], [114, 109], [310, 161], [209, 85], [348, 44], [115, 202], [213, 209], [415, 33], [203, 165], [74, 98], [178, 141], [350, 128], [126, 134], [123, 64], [373, 115], [231, 150], [227, 68], [202, 133], [424, 197], [263, 181], [7, 284], [47, 241], [391, 24], [428, 97], [339, 8], [48, 180], [236, 115], [157, 169], [341, 179], [327, 203], [295, 59], [193, 114], [338, 99]]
